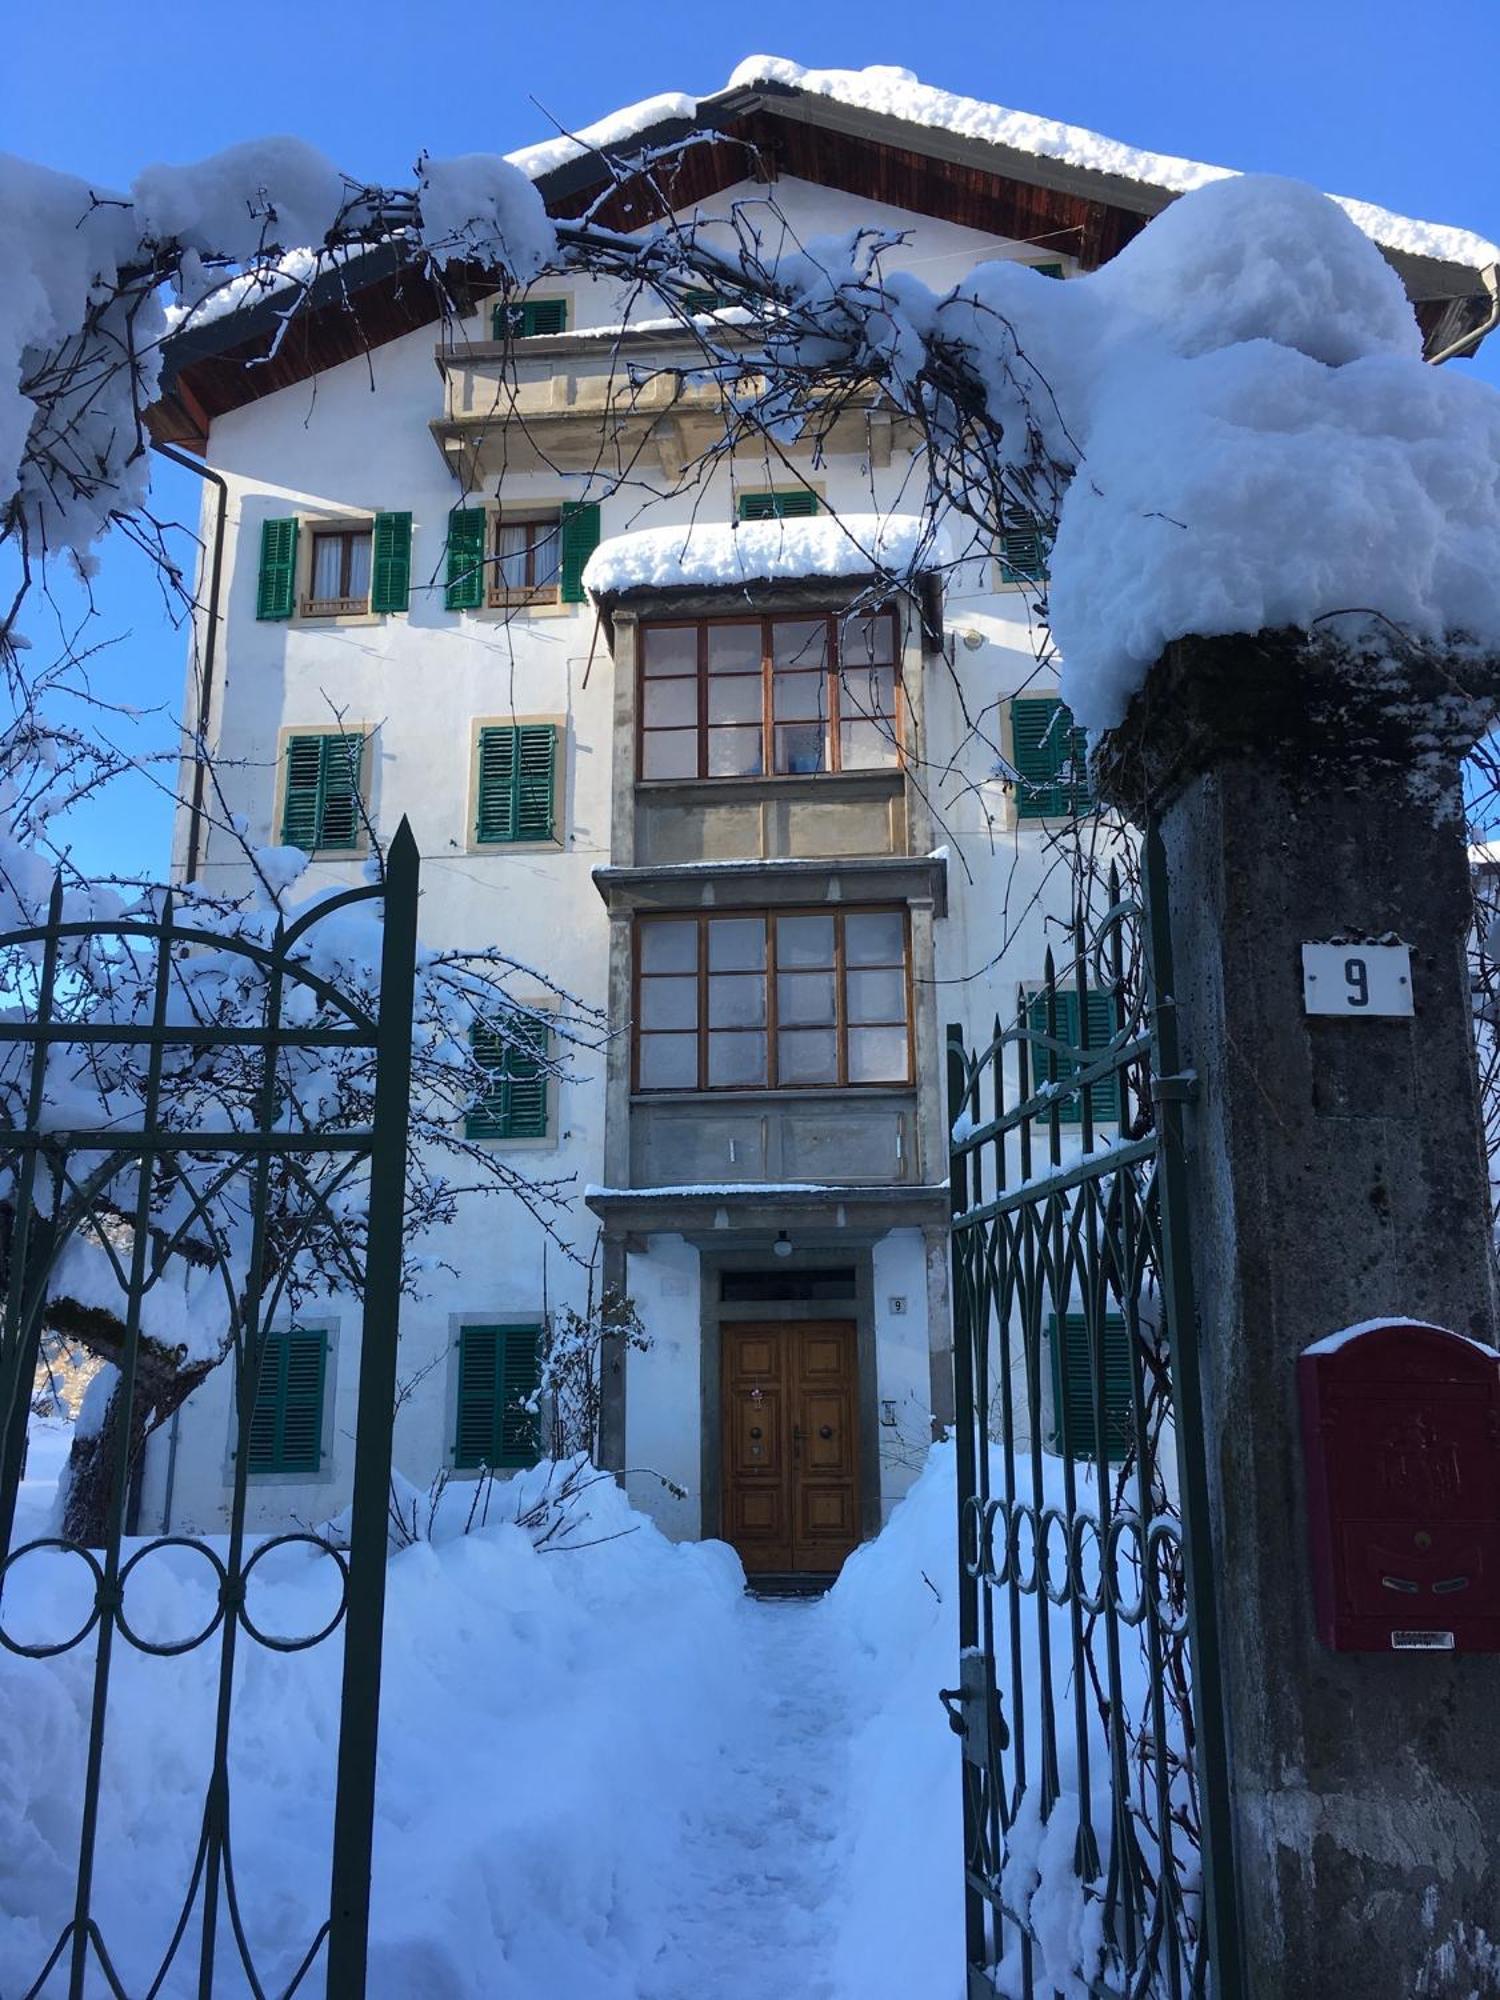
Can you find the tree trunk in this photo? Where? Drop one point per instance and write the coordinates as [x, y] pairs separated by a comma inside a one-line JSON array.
[[162, 1384]]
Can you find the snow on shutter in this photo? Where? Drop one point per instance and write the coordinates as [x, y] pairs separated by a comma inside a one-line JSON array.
[[338, 813], [390, 575], [1073, 1387], [466, 531], [1051, 759], [529, 318], [300, 807], [286, 1425], [1024, 546], [498, 1373], [797, 504], [276, 593], [1105, 1097], [580, 538]]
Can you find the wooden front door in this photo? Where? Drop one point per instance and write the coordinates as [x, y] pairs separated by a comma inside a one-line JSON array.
[[791, 1446]]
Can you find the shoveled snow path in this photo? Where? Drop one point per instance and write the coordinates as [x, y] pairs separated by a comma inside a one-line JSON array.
[[761, 1862]]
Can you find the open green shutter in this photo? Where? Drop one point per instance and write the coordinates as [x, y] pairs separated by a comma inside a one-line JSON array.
[[1073, 1396], [580, 538], [478, 1396], [1051, 759], [466, 530], [798, 504], [390, 563], [276, 594], [300, 806], [338, 819]]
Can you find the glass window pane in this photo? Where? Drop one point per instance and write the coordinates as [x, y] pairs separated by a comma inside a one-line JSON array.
[[669, 1062], [799, 697], [871, 691], [734, 753], [734, 649], [874, 937], [804, 941], [805, 1000], [867, 746], [669, 944], [799, 642], [735, 698], [877, 1055], [865, 638], [547, 552], [736, 1059], [327, 566], [669, 649], [359, 566], [669, 753], [737, 944], [876, 996], [670, 701], [801, 747], [669, 1003], [737, 1000], [807, 1055]]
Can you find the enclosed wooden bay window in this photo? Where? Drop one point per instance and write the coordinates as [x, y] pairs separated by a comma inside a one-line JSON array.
[[780, 1000], [747, 697]]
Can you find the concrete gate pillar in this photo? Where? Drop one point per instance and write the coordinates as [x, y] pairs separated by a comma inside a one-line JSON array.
[[1335, 1174]]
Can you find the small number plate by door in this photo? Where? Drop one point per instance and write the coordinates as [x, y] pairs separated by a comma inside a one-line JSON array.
[[1355, 979]]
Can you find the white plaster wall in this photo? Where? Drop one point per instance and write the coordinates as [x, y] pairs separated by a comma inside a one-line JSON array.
[[357, 440], [902, 1368]]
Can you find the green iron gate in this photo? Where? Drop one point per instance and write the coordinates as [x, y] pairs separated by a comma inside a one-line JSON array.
[[1096, 1827], [232, 1179]]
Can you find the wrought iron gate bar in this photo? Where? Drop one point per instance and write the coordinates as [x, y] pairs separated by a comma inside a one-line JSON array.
[[310, 1168], [1077, 1612]]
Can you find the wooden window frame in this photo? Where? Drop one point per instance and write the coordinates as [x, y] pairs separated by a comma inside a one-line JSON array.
[[502, 597], [840, 970], [344, 605], [832, 719]]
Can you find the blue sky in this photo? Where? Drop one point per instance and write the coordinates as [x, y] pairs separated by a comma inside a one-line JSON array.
[[1363, 97]]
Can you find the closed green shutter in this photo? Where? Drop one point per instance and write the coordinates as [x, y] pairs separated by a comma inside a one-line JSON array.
[[1025, 546], [321, 804], [466, 532], [276, 594], [390, 567], [698, 299], [1049, 270], [1046, 1064], [1073, 1388], [580, 538], [514, 1105], [796, 505], [286, 1423], [517, 783], [1051, 759], [529, 317], [498, 1373]]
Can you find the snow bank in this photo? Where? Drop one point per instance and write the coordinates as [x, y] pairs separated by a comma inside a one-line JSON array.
[[552, 1725], [746, 552]]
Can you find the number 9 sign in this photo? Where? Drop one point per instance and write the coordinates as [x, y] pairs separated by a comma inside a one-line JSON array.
[[1357, 979]]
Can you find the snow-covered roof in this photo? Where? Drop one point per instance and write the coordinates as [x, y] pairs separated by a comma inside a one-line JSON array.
[[764, 551], [899, 95]]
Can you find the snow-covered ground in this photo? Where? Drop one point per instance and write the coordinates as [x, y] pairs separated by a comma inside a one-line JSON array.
[[605, 1772]]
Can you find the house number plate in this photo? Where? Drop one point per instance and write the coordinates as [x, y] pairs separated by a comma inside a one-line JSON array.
[[1354, 979]]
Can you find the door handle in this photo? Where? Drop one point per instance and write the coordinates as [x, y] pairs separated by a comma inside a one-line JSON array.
[[826, 1431]]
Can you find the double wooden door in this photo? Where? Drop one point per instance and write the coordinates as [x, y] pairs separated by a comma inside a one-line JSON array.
[[791, 1445]]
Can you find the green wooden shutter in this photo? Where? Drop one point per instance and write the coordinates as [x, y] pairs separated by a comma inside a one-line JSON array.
[[1073, 1387], [580, 537], [466, 532], [1049, 270], [1051, 758], [517, 783], [338, 807], [286, 1424], [276, 594], [514, 1105], [498, 1371], [1025, 546], [303, 792], [529, 317], [390, 563], [698, 299], [797, 505], [1106, 1092]]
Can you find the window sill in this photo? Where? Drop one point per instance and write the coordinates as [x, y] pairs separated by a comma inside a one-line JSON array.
[[358, 613], [538, 604], [774, 1094], [553, 845], [874, 781], [547, 1143]]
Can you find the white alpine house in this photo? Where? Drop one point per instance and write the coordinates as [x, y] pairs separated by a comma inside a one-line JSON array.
[[661, 736]]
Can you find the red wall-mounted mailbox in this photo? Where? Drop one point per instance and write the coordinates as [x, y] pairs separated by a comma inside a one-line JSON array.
[[1401, 1437]]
